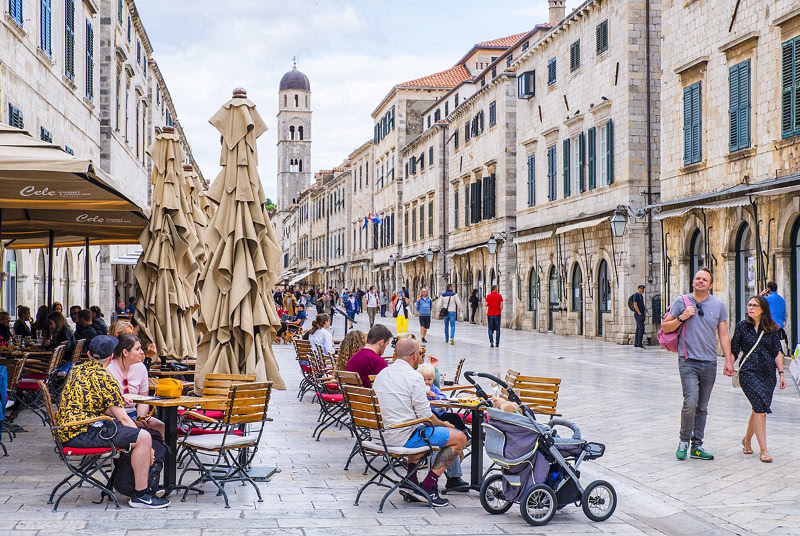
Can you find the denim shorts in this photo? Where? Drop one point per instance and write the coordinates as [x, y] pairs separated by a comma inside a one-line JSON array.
[[438, 436]]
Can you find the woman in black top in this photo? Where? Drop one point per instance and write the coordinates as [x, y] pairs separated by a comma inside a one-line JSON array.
[[40, 324], [757, 372], [60, 333], [21, 327], [474, 302]]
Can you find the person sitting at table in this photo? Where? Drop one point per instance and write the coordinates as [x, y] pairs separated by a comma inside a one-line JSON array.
[[41, 322], [21, 327], [60, 333], [97, 320], [85, 329], [128, 368], [123, 327], [73, 315], [352, 343], [131, 308], [91, 391], [428, 373], [293, 325], [58, 308], [369, 361], [320, 335], [401, 392], [5, 330]]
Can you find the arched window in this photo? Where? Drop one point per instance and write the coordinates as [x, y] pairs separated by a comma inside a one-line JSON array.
[[795, 278], [603, 295], [291, 133], [577, 288], [554, 297], [67, 276], [300, 133], [285, 101], [296, 101], [533, 290], [745, 270], [10, 297], [697, 256], [300, 166]]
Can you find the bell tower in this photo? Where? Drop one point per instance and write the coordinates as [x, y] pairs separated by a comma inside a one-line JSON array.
[[294, 136]]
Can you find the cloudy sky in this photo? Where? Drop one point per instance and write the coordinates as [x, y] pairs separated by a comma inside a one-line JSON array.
[[353, 52]]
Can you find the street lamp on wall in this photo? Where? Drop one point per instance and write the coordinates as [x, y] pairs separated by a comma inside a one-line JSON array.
[[618, 222], [492, 244], [429, 255], [391, 260]]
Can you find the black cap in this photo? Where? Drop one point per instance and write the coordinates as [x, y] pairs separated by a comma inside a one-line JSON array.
[[102, 346], [640, 286]]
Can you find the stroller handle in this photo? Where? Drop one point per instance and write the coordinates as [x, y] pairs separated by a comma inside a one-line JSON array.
[[512, 396]]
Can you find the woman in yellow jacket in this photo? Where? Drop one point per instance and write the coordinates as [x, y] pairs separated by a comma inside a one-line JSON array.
[[400, 312]]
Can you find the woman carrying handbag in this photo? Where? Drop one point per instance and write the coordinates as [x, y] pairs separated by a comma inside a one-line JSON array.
[[400, 307], [757, 337]]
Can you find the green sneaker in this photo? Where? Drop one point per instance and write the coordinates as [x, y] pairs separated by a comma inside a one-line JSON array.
[[681, 452], [700, 454]]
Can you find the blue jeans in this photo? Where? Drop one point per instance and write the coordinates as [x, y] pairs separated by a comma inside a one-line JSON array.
[[450, 326], [494, 326]]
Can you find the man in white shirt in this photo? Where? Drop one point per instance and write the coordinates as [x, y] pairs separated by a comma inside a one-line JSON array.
[[402, 394], [372, 305]]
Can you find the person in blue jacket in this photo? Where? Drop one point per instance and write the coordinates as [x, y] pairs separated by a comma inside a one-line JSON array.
[[424, 305]]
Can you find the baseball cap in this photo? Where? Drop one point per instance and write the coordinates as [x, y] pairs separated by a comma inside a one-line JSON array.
[[102, 346]]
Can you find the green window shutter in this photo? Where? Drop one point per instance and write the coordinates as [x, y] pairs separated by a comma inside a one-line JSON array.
[[552, 186], [582, 161], [478, 193], [687, 125], [789, 81], [610, 150], [467, 200], [69, 37], [592, 158], [531, 181], [697, 123], [739, 114], [485, 183], [566, 167], [733, 110]]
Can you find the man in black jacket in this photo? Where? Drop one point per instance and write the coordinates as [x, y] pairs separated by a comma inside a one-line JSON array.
[[85, 329]]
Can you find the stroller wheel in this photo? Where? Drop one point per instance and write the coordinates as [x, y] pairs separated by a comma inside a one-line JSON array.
[[538, 505], [599, 500], [493, 498]]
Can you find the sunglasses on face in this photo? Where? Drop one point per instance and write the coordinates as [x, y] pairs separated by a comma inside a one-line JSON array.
[[754, 305]]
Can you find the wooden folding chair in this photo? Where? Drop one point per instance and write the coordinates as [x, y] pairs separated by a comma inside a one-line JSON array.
[[14, 372], [77, 352], [28, 393], [247, 405], [344, 377], [302, 349], [332, 408]]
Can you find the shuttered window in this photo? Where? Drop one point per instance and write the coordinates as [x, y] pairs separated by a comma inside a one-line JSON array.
[[15, 10], [89, 61], [45, 135], [601, 34], [492, 113], [467, 205], [575, 56], [692, 124], [552, 187], [551, 72], [46, 24], [455, 139], [430, 218], [413, 224], [739, 89], [790, 88], [581, 162], [592, 158], [565, 155], [455, 209], [422, 221], [437, 115], [15, 118], [119, 11], [69, 39], [476, 198], [531, 180], [526, 85], [489, 197], [466, 132], [430, 156]]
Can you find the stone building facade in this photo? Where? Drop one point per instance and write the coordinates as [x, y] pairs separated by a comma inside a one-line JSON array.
[[730, 143], [81, 75]]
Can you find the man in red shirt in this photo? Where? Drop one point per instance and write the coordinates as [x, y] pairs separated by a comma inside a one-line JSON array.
[[368, 361], [494, 306]]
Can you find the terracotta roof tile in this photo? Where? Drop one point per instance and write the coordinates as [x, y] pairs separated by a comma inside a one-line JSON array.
[[449, 78], [503, 42]]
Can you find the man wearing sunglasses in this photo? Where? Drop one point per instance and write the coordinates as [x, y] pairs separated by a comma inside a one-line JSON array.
[[705, 319]]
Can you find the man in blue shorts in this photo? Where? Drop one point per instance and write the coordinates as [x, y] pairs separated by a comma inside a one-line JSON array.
[[401, 391]]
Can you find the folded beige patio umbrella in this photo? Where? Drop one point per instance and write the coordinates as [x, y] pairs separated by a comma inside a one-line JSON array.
[[236, 306], [192, 189], [167, 272]]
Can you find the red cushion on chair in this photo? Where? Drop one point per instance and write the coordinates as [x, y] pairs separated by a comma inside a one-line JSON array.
[[213, 413], [332, 399], [305, 368], [35, 376], [468, 418], [333, 386], [28, 385], [73, 451], [206, 431]]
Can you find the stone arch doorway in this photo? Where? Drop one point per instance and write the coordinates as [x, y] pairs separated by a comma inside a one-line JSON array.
[[577, 295], [603, 295]]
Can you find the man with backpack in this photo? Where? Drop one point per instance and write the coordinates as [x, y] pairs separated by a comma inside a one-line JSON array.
[[636, 304], [698, 318]]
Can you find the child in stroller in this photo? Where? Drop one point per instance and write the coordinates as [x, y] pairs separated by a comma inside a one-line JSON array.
[[539, 468]]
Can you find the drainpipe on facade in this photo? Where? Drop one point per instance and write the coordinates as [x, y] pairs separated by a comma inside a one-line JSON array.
[[649, 150], [445, 211]]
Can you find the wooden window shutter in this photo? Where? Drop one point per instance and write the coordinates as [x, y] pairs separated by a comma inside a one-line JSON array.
[[610, 150], [531, 181], [697, 123], [592, 158], [565, 156], [687, 125], [582, 161], [789, 81], [69, 37]]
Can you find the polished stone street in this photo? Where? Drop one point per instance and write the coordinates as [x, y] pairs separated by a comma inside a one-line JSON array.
[[629, 400]]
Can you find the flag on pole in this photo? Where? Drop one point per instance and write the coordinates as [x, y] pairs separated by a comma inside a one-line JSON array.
[[376, 219], [366, 221]]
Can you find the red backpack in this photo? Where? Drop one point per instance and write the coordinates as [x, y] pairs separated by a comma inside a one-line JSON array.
[[669, 341]]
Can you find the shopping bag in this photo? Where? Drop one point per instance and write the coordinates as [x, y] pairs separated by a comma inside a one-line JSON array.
[[794, 368]]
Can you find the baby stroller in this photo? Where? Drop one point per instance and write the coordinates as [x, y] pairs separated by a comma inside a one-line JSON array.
[[539, 467]]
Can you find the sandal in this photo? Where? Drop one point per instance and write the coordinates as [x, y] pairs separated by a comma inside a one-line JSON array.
[[746, 449], [766, 458]]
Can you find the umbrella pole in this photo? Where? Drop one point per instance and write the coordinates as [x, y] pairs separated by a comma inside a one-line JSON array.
[[50, 240], [86, 272]]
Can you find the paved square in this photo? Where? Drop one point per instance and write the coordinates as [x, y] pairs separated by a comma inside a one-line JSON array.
[[629, 400]]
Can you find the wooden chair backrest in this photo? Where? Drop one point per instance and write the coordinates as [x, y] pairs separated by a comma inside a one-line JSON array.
[[365, 410], [344, 377], [76, 353], [14, 369], [248, 402], [55, 360], [48, 406], [538, 393], [301, 349], [457, 375]]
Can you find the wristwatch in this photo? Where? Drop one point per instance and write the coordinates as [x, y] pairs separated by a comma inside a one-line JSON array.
[[780, 372]]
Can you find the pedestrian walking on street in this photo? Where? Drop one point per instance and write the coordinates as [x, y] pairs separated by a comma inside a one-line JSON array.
[[448, 306], [351, 308], [424, 306], [700, 323], [384, 303], [372, 305], [494, 306], [400, 312], [758, 339], [474, 302], [777, 308], [637, 304]]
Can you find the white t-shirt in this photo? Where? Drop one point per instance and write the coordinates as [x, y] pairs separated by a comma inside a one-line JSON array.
[[372, 299], [323, 338]]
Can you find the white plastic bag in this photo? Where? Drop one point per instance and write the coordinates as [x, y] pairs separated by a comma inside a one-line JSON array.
[[794, 368]]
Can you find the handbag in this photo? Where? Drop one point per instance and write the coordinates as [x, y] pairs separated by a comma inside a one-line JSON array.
[[169, 388], [444, 311], [735, 377], [669, 341]]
